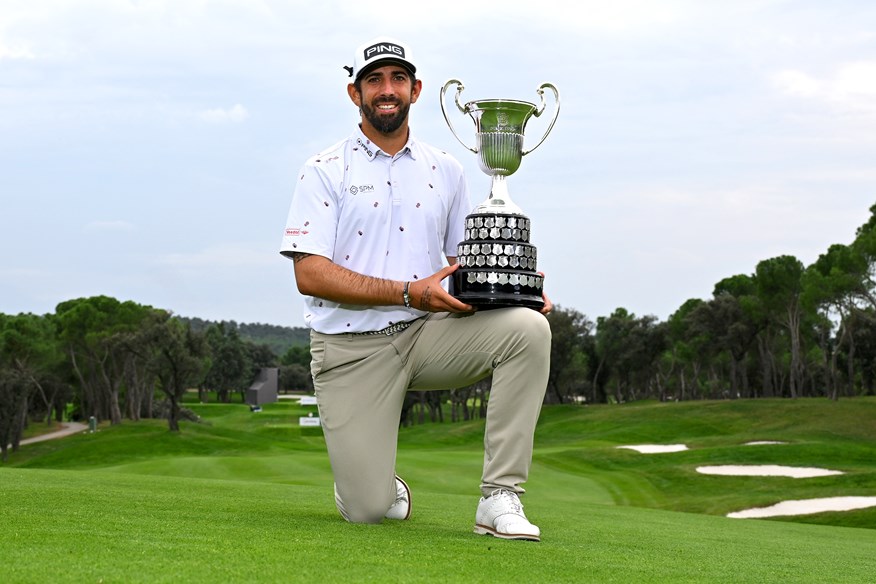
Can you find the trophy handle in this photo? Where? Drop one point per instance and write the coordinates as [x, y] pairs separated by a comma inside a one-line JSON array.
[[459, 89], [540, 110]]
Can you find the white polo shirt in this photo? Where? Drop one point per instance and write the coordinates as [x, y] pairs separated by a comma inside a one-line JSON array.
[[394, 217]]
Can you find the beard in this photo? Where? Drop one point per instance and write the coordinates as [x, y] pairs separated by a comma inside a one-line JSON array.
[[386, 124]]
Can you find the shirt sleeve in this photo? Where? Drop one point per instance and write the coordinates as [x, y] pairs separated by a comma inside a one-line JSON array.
[[311, 226]]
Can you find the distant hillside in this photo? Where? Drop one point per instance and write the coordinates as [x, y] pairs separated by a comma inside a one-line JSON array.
[[279, 338]]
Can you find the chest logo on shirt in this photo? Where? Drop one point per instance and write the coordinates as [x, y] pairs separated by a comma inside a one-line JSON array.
[[361, 189]]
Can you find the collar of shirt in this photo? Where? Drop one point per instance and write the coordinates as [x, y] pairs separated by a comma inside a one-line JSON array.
[[371, 150]]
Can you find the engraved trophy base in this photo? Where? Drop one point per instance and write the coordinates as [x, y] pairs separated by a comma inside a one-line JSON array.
[[487, 295], [497, 263]]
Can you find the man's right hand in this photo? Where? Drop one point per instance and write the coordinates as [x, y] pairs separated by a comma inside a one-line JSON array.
[[429, 295]]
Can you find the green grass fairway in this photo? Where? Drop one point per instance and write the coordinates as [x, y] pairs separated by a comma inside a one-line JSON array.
[[246, 497]]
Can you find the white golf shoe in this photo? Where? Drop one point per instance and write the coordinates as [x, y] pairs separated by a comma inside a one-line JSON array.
[[501, 515], [401, 509]]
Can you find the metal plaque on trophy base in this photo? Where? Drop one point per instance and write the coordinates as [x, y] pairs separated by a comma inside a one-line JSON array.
[[497, 261]]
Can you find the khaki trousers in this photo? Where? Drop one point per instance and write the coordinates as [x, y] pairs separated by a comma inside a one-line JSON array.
[[361, 380]]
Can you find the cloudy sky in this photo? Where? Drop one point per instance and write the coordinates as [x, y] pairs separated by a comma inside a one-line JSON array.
[[148, 148]]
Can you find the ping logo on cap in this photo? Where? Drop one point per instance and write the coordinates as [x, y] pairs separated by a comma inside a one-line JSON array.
[[379, 49]]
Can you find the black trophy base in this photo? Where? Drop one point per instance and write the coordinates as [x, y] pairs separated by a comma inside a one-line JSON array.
[[497, 288]]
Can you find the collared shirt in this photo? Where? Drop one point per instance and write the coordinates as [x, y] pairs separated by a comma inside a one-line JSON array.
[[394, 217]]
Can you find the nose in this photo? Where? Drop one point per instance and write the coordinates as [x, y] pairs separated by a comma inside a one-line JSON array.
[[386, 87]]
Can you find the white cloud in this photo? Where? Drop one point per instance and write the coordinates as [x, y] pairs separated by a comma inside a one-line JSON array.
[[12, 52], [235, 114], [856, 80], [617, 16], [797, 83], [851, 88]]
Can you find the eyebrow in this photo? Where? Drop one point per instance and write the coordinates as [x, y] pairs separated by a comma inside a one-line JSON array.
[[392, 73]]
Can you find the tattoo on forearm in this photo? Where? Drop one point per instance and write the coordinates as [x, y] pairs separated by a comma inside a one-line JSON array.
[[298, 256]]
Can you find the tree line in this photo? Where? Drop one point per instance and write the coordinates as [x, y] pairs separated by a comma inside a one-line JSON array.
[[786, 330], [112, 360], [278, 338]]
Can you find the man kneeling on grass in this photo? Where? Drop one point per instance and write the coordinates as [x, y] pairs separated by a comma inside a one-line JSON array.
[[372, 220]]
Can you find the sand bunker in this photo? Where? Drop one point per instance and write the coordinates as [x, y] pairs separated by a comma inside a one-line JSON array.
[[806, 507], [801, 507], [767, 470], [656, 448]]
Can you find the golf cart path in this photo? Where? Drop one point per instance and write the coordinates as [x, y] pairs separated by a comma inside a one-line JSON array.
[[68, 429]]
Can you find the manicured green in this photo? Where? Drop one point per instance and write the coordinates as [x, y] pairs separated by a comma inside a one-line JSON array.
[[246, 497]]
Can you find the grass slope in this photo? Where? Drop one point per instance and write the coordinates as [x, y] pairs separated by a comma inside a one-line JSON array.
[[247, 498]]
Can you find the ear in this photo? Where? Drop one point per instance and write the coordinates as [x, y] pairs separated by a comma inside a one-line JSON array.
[[415, 91], [355, 96]]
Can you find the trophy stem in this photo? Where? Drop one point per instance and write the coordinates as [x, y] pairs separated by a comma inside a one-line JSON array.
[[499, 199]]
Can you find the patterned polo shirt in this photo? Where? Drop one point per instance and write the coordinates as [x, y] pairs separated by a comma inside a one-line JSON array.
[[394, 217]]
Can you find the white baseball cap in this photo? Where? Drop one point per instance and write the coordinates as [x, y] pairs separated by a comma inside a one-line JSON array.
[[382, 50]]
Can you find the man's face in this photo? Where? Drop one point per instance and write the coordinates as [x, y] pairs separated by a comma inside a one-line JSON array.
[[386, 96]]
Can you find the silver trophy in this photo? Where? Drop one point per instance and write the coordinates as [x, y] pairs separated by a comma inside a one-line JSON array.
[[497, 262]]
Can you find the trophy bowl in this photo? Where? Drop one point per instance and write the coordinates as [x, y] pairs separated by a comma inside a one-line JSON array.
[[497, 261]]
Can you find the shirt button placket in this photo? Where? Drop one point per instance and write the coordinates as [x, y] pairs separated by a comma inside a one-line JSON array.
[[392, 183]]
